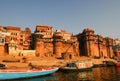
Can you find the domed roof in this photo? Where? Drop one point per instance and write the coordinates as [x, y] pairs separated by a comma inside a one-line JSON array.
[[88, 29]]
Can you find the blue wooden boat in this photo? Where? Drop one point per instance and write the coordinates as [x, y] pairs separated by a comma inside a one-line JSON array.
[[17, 74]]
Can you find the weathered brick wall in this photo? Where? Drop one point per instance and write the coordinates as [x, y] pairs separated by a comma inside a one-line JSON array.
[[50, 48], [95, 45], [39, 47], [58, 47], [2, 50]]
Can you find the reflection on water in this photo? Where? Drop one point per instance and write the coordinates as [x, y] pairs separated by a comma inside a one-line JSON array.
[[41, 78], [96, 74], [118, 73], [106, 74], [75, 76], [85, 75]]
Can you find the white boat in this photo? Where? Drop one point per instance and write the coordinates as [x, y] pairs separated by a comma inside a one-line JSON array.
[[80, 65]]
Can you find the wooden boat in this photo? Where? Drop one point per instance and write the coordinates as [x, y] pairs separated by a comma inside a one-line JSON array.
[[118, 64], [109, 63], [17, 74], [81, 65]]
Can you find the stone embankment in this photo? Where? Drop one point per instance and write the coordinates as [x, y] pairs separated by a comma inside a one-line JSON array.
[[15, 62]]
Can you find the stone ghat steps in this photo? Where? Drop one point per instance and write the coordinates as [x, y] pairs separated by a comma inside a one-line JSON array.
[[46, 61]]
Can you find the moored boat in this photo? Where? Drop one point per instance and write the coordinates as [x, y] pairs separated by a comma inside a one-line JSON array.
[[109, 63], [118, 62], [80, 65], [16, 74]]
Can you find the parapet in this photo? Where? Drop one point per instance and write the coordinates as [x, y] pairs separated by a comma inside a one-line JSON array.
[[13, 28]]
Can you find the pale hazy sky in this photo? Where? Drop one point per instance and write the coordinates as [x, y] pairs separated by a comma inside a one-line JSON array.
[[70, 15]]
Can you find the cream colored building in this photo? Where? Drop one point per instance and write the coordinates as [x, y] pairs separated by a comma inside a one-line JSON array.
[[14, 33], [44, 30], [64, 34]]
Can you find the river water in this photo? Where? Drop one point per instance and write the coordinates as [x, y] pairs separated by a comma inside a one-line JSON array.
[[96, 74]]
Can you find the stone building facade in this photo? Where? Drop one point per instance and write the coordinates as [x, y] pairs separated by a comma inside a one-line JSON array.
[[25, 39], [13, 40], [3, 36], [46, 42], [65, 45], [58, 43], [95, 45], [45, 31]]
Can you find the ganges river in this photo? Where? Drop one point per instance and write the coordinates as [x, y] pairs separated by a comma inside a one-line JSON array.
[[96, 74]]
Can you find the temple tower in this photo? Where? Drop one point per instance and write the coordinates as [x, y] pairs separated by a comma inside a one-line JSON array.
[[39, 47], [12, 48], [57, 44], [88, 34], [99, 41], [109, 44]]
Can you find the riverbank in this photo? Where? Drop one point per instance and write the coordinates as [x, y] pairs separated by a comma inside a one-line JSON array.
[[16, 62]]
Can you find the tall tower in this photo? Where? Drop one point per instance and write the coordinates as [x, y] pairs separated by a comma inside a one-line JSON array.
[[2, 44], [43, 39], [88, 35], [75, 45], [109, 44], [3, 41], [57, 44], [99, 42], [39, 47]]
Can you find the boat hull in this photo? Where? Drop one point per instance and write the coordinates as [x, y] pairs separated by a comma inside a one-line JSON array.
[[78, 66], [68, 69], [118, 64], [29, 73]]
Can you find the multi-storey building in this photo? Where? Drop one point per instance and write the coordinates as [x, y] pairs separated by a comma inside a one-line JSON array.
[[14, 33], [44, 31], [42, 39], [12, 39], [3, 35], [64, 35], [25, 39], [59, 43], [95, 45]]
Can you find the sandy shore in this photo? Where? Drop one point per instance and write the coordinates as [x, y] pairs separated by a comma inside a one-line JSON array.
[[24, 62]]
